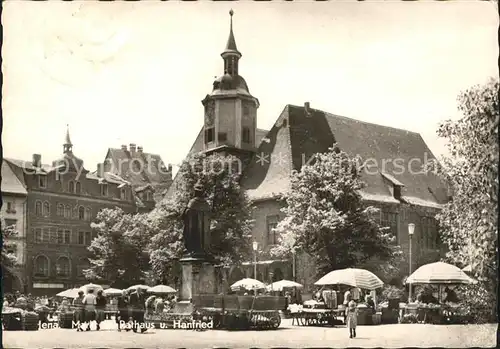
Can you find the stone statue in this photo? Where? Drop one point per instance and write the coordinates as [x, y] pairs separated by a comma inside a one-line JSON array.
[[196, 219]]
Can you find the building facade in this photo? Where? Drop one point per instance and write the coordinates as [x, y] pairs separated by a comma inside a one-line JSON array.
[[396, 182], [14, 216], [61, 202], [148, 175]]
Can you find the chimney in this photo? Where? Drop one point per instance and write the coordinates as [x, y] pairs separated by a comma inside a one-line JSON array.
[[132, 148], [37, 160], [307, 108], [124, 147], [100, 170], [139, 150]]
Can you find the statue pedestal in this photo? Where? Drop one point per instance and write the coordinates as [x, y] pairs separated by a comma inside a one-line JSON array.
[[198, 277]]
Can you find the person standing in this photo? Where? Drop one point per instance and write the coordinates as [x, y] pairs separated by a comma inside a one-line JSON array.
[[122, 315], [79, 311], [89, 303], [352, 318], [137, 302], [100, 307]]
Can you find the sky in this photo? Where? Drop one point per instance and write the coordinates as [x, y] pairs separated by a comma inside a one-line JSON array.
[[136, 72]]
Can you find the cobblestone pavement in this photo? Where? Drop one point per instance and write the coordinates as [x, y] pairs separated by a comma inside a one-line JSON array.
[[395, 336]]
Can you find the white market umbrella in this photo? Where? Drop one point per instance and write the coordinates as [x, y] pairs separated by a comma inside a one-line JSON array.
[[280, 285], [161, 289], [86, 288], [467, 269], [439, 273], [135, 287], [248, 284], [113, 292], [71, 293], [359, 278]]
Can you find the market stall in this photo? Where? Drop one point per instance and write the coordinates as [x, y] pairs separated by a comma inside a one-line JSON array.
[[430, 309]]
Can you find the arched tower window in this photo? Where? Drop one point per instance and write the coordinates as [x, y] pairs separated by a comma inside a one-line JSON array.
[[46, 208], [60, 210], [71, 187], [38, 208], [41, 265], [83, 264], [78, 187], [81, 213], [67, 212], [63, 267]]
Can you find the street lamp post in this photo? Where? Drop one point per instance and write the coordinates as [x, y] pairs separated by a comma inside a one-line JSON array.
[[254, 246], [411, 230], [293, 266]]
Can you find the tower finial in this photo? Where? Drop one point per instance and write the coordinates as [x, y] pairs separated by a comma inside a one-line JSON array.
[[67, 146], [231, 42]]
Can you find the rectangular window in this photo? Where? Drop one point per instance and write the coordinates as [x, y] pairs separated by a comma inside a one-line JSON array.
[[272, 223], [60, 236], [10, 208], [38, 235], [11, 223], [45, 235], [94, 235], [104, 189], [429, 238], [42, 181], [81, 238], [53, 236], [245, 135], [222, 136], [209, 135], [87, 238], [67, 235], [390, 220]]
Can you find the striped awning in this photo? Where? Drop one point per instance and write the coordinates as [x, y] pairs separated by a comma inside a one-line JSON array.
[[360, 278], [439, 273]]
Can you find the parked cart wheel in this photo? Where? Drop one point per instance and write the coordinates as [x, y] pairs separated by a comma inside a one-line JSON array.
[[275, 321]]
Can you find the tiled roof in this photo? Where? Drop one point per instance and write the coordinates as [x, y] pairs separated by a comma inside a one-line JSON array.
[[12, 183], [139, 168], [28, 165], [387, 148]]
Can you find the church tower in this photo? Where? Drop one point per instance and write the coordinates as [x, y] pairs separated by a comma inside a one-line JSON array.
[[230, 110]]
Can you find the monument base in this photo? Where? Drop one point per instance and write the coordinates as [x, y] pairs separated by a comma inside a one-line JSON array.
[[183, 307], [198, 277]]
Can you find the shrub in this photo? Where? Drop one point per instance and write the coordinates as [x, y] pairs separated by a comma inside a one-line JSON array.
[[479, 301], [409, 319], [391, 292]]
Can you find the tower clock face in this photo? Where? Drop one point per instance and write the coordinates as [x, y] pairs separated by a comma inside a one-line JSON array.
[[209, 113]]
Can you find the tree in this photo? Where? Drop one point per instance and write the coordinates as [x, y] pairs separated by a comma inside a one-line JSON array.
[[469, 221], [119, 251], [326, 218], [9, 260], [230, 216]]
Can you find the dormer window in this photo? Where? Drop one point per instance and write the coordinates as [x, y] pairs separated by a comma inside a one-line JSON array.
[[78, 188], [42, 181], [149, 196], [71, 187], [104, 190], [395, 184]]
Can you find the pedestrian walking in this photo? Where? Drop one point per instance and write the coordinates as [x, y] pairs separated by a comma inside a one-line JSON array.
[[122, 316], [100, 307], [137, 301], [89, 303], [79, 313], [352, 318]]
